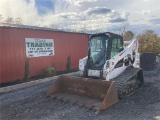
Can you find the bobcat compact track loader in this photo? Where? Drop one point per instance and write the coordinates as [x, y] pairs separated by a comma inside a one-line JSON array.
[[109, 72]]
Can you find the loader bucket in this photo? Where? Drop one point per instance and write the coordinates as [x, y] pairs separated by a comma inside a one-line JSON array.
[[86, 92]]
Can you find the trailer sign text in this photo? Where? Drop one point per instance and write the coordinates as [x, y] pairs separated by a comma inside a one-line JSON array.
[[36, 47]]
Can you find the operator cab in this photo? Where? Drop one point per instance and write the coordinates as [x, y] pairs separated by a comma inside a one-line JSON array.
[[102, 47]]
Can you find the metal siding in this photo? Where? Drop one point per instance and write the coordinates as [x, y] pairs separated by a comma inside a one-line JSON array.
[[13, 55], [11, 47], [0, 55], [3, 58], [58, 54], [22, 50]]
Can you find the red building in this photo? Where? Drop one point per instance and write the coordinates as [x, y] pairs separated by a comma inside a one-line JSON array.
[[13, 50]]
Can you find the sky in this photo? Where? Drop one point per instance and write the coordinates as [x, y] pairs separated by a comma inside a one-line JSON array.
[[85, 15]]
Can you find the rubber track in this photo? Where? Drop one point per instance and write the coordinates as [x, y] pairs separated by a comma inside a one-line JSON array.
[[122, 79]]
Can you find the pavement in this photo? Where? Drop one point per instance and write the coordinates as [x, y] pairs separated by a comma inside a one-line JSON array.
[[30, 103]]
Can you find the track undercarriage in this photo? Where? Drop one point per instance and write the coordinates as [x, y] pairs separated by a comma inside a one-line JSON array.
[[129, 81]]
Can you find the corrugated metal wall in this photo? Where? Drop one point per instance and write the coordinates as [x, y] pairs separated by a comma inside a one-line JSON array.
[[13, 55]]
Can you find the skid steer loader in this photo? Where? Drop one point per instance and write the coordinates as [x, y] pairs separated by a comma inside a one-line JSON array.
[[109, 72]]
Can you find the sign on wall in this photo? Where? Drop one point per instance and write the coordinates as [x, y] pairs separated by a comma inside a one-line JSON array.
[[36, 47]]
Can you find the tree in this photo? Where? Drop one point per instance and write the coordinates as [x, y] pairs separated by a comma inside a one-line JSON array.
[[128, 35], [83, 28], [18, 21], [73, 30], [119, 28], [53, 26], [1, 17], [149, 42], [9, 20]]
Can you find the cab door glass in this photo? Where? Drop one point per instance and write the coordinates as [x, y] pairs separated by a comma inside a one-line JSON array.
[[117, 46]]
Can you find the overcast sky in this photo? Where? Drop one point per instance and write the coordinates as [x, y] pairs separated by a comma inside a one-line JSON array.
[[102, 15]]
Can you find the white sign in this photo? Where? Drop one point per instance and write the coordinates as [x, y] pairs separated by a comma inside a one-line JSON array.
[[36, 47]]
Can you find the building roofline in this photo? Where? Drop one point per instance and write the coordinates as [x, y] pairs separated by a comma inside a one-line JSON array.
[[35, 28]]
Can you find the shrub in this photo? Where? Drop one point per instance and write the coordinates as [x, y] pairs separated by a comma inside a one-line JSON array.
[[68, 64], [49, 70], [26, 71]]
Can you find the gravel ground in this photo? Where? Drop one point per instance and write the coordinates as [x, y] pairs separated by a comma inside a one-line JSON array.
[[32, 104]]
